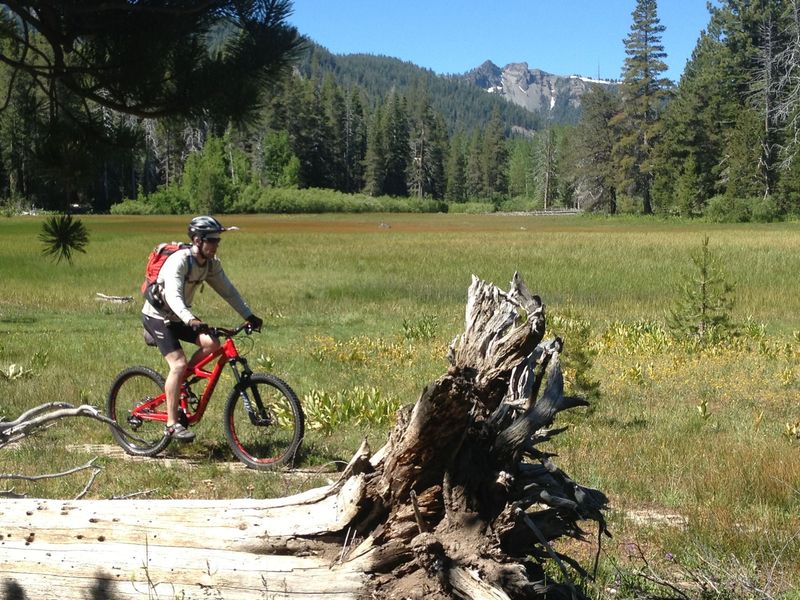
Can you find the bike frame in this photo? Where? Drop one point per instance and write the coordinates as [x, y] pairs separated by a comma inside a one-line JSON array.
[[226, 354]]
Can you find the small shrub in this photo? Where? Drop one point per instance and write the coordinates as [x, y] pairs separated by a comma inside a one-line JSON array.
[[424, 328], [265, 363], [257, 199], [703, 308], [359, 350], [578, 355], [471, 208], [628, 205], [519, 204], [753, 329], [167, 200], [62, 235], [40, 360], [723, 209], [639, 336], [766, 210], [326, 412]]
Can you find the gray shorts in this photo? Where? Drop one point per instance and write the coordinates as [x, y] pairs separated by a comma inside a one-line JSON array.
[[168, 335]]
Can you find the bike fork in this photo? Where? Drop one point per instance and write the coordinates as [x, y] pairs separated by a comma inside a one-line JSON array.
[[258, 415]]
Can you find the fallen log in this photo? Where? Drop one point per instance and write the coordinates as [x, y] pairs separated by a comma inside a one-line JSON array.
[[460, 502], [181, 548]]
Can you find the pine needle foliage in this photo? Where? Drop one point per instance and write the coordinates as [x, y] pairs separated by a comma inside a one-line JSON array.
[[703, 309], [62, 235]]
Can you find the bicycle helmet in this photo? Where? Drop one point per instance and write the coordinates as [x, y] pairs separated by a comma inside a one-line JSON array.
[[204, 227]]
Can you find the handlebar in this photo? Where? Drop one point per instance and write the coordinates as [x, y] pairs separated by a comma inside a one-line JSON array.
[[229, 333]]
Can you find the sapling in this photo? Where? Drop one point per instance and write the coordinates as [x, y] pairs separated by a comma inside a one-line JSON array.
[[703, 308]]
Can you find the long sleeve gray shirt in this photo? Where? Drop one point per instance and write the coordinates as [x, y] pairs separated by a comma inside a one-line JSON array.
[[180, 276]]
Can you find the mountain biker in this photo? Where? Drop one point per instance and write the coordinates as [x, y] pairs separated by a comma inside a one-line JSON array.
[[168, 318]]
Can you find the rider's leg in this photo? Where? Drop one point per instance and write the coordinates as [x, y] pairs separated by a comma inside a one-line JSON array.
[[208, 344], [172, 387]]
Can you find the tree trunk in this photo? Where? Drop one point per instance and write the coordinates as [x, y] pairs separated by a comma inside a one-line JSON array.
[[460, 502]]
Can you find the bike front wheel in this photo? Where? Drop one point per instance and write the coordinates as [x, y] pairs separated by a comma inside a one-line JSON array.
[[264, 422], [132, 388]]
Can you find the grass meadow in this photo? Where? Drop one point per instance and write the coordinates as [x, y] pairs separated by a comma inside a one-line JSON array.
[[694, 446]]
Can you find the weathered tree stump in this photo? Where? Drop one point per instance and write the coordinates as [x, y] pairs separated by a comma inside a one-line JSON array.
[[460, 502]]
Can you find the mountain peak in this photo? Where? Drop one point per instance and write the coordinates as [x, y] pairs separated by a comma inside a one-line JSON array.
[[485, 76], [533, 89]]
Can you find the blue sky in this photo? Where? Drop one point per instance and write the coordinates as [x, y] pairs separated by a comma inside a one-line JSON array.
[[563, 37]]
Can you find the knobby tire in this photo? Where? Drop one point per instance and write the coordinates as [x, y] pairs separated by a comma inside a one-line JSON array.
[[274, 440], [131, 388]]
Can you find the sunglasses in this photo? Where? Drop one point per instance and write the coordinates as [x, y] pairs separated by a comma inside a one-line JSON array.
[[212, 240]]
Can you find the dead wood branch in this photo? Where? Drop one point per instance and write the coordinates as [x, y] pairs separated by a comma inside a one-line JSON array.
[[87, 487], [116, 299], [88, 465], [47, 414]]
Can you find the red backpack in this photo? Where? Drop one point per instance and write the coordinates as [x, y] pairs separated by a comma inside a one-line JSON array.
[[156, 260]]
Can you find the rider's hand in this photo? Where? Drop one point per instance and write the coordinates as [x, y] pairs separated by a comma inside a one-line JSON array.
[[254, 322], [198, 326]]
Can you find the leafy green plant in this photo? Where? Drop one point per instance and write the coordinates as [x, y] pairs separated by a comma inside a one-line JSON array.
[[578, 355], [62, 235], [265, 362], [40, 360], [724, 209], [634, 374], [358, 350], [359, 406], [424, 328], [703, 309]]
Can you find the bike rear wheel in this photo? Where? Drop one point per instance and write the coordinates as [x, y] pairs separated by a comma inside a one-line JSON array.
[[132, 387], [264, 422]]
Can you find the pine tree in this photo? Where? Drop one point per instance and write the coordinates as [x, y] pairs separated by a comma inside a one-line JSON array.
[[333, 106], [280, 165], [596, 135], [398, 147], [567, 165], [743, 174], [475, 180], [754, 35], [206, 180], [495, 157], [644, 94], [546, 172], [62, 235], [703, 309], [687, 189], [764, 89], [521, 168], [375, 158], [355, 142], [697, 123], [456, 170], [426, 176], [787, 109]]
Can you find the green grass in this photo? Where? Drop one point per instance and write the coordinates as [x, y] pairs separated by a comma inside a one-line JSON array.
[[696, 433]]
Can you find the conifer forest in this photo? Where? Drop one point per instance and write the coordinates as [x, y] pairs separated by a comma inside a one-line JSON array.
[[214, 108]]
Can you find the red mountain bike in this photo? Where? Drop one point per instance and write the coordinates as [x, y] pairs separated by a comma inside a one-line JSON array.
[[263, 419]]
